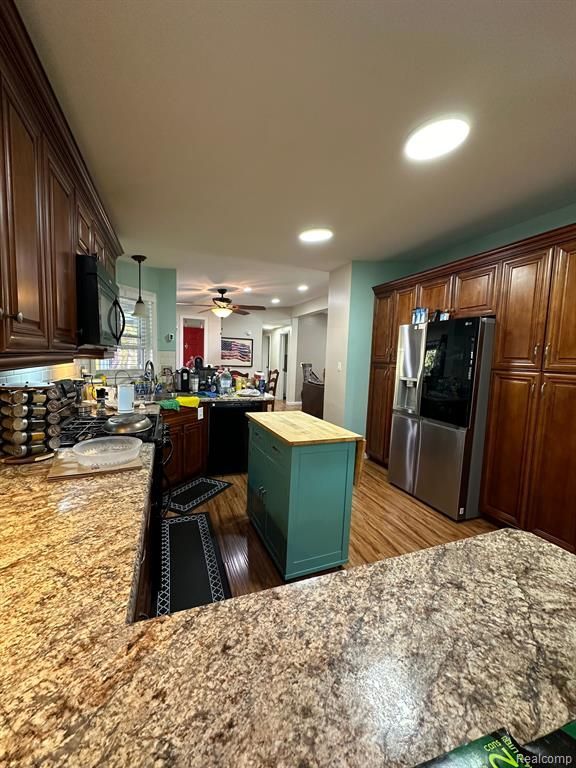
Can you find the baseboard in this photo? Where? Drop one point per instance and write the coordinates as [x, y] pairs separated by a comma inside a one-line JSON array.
[[293, 402]]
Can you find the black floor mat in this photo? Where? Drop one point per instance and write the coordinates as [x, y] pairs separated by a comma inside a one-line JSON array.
[[186, 497], [192, 571]]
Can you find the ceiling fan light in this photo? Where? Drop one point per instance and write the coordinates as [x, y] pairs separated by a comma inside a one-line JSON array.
[[221, 311], [139, 308]]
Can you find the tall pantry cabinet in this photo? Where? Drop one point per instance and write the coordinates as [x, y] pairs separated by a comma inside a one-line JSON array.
[[529, 478]]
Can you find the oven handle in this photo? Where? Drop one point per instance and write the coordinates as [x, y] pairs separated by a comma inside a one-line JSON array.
[[118, 312], [171, 453]]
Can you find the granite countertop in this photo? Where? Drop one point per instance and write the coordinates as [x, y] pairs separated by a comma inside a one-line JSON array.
[[386, 664]]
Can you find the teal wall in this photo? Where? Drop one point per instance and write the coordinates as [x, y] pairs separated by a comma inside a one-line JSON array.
[[367, 274], [162, 282]]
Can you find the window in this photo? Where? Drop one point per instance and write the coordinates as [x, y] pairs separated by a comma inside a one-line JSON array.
[[138, 343]]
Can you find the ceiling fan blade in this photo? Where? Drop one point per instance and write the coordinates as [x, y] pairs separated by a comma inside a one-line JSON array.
[[238, 311], [249, 306], [190, 304]]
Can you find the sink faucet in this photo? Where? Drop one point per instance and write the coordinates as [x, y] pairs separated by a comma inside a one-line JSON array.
[[150, 375], [123, 372]]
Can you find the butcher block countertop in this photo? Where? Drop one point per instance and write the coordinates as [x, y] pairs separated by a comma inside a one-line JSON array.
[[298, 428]]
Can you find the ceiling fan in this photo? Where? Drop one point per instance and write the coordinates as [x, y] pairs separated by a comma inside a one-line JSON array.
[[223, 305]]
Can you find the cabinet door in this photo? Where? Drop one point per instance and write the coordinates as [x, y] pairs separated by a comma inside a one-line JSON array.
[[552, 511], [509, 437], [382, 331], [193, 446], [475, 291], [380, 412], [404, 301], [276, 501], [83, 228], [435, 294], [173, 469], [23, 300], [98, 247], [522, 308], [560, 350], [61, 253]]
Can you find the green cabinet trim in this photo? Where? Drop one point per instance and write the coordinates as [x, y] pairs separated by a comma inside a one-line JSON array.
[[300, 501]]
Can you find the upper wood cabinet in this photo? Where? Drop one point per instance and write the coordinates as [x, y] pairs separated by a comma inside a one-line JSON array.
[[435, 293], [83, 228], [475, 291], [403, 302], [507, 453], [23, 309], [552, 510], [61, 252], [382, 328], [521, 312], [49, 210], [560, 349]]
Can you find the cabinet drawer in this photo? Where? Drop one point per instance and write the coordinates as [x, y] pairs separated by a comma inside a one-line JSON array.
[[277, 451]]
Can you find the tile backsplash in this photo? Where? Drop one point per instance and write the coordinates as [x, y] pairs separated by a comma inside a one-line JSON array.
[[22, 376]]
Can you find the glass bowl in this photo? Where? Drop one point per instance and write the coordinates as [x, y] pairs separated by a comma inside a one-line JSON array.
[[107, 451]]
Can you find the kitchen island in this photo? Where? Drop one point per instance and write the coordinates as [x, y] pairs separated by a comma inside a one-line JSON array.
[[384, 664], [300, 475]]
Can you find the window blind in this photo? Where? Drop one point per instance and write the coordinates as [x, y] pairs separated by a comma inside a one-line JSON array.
[[137, 343]]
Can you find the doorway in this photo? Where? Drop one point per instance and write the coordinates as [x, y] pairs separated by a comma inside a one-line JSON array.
[[284, 349], [192, 341]]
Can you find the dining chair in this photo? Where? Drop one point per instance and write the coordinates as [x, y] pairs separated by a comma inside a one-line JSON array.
[[272, 384]]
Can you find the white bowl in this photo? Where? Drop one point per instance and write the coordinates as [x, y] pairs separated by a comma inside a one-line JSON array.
[[107, 451]]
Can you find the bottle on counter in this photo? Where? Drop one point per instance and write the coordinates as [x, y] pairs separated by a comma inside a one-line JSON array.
[[23, 438], [225, 382], [30, 411], [24, 450]]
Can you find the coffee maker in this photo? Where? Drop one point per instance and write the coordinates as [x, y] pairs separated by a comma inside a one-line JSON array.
[[182, 380]]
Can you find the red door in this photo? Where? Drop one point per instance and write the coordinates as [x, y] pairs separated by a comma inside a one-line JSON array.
[[193, 345]]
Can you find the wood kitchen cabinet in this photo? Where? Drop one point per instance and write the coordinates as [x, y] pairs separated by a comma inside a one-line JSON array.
[[378, 426], [435, 293], [552, 506], [382, 333], [560, 349], [189, 437], [404, 301], [60, 207], [521, 312], [23, 300], [508, 447], [475, 291], [83, 228], [49, 210]]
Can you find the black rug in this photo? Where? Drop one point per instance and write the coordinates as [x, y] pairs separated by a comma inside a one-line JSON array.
[[186, 497], [192, 571]]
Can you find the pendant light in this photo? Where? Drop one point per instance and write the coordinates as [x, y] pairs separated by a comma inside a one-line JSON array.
[[139, 307]]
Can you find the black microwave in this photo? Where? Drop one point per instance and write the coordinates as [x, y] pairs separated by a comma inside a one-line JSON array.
[[101, 321]]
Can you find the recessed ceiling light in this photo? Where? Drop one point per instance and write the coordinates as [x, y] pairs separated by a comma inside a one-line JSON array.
[[247, 290], [436, 138], [316, 235], [275, 301], [302, 288]]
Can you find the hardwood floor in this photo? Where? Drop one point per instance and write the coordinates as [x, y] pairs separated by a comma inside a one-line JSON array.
[[385, 522]]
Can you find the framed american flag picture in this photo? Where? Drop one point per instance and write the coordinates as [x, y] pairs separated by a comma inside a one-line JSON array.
[[236, 352]]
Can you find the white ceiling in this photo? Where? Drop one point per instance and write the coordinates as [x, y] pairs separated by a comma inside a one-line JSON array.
[[217, 129]]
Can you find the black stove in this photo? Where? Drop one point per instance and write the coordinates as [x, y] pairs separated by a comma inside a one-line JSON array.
[[79, 428]]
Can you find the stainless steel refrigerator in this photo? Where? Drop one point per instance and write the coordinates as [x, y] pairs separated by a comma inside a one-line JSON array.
[[439, 413]]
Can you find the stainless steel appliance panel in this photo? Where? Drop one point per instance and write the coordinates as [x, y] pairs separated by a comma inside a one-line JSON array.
[[439, 467], [410, 364], [403, 451]]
